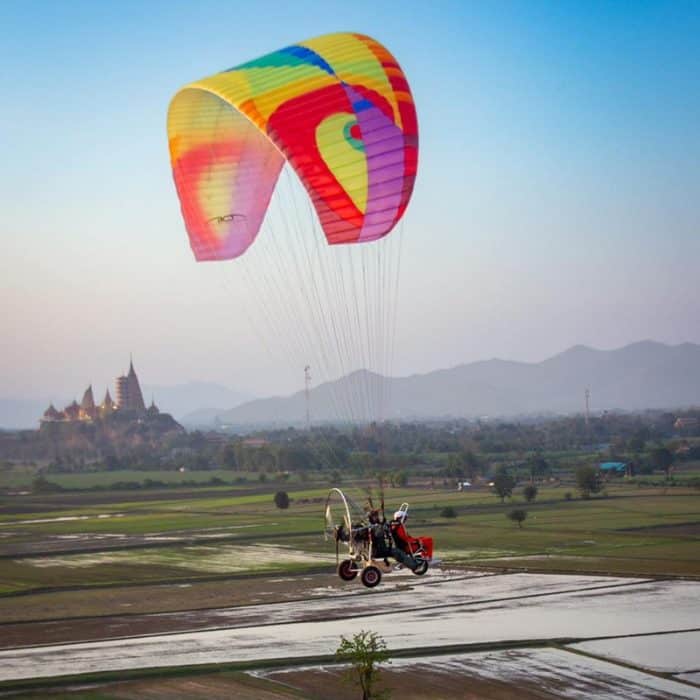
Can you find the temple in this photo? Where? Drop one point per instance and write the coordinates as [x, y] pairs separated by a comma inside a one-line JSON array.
[[129, 401], [129, 396]]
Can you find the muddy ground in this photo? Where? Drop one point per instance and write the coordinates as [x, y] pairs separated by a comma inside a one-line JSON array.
[[72, 616]]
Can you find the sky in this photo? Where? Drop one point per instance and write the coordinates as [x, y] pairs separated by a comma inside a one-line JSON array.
[[557, 200]]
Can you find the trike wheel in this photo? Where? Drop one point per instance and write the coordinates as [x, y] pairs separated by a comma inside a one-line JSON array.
[[371, 576], [422, 566], [346, 570]]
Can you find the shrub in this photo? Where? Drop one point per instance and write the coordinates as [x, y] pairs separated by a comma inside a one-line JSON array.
[[588, 480], [448, 512], [530, 493], [282, 500], [517, 515]]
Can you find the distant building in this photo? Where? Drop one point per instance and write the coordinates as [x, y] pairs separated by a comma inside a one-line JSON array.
[[686, 423], [129, 396], [129, 399], [88, 410], [72, 411], [255, 442], [622, 468], [107, 406], [51, 414]]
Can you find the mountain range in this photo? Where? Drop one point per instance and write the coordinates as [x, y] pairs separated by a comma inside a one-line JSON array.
[[638, 376]]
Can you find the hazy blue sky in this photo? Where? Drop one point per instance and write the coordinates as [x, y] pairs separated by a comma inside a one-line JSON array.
[[557, 202]]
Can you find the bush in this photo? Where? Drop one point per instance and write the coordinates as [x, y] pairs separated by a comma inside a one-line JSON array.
[[282, 500], [517, 515], [530, 493], [448, 512], [42, 485], [588, 480], [568, 496]]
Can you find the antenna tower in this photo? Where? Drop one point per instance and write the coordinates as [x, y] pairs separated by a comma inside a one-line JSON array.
[[588, 414], [307, 386]]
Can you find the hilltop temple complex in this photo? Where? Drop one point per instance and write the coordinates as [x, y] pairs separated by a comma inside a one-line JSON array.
[[129, 401]]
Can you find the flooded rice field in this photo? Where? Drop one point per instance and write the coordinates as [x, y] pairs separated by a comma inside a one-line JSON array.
[[222, 558], [536, 673], [668, 653], [439, 610]]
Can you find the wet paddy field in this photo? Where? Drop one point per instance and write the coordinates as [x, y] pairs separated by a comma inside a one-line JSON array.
[[218, 594], [578, 636]]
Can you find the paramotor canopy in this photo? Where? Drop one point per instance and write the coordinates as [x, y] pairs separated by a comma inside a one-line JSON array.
[[337, 108]]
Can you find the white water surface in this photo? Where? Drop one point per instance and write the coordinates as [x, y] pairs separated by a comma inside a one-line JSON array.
[[487, 609]]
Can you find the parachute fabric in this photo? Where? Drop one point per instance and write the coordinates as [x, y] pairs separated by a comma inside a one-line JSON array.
[[337, 108]]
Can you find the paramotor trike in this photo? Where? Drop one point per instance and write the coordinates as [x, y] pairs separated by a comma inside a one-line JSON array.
[[371, 540]]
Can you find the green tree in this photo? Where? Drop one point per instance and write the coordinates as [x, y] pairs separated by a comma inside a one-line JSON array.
[[228, 456], [401, 479], [517, 515], [537, 466], [503, 484], [42, 485], [282, 500], [662, 458], [587, 480], [364, 652], [455, 466], [472, 464], [530, 493]]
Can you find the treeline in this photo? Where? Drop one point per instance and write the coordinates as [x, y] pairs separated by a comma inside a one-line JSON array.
[[451, 449]]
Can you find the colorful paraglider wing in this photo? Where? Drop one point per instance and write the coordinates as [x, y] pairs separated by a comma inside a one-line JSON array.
[[337, 108]]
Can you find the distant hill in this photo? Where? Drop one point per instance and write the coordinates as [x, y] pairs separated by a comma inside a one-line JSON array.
[[638, 376], [188, 402], [18, 414]]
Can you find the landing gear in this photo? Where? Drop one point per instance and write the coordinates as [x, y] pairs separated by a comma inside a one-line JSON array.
[[371, 576], [347, 570], [422, 566]]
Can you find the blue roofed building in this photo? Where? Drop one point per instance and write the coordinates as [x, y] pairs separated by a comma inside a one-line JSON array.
[[614, 468]]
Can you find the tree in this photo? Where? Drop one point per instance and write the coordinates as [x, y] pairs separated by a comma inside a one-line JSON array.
[[42, 485], [401, 479], [537, 466], [282, 500], [517, 515], [228, 456], [364, 652], [503, 484], [587, 480], [662, 458], [530, 493]]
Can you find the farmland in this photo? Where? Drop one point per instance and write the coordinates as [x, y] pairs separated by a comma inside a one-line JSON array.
[[93, 540]]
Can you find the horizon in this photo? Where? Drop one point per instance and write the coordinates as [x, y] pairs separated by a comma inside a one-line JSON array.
[[149, 387], [555, 205]]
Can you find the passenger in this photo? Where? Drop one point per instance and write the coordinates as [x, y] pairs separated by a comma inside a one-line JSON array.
[[401, 551]]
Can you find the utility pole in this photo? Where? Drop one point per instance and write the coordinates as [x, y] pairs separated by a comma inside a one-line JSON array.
[[307, 385], [588, 415]]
